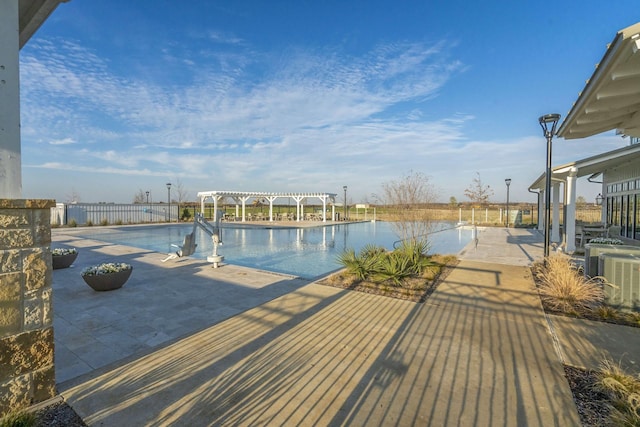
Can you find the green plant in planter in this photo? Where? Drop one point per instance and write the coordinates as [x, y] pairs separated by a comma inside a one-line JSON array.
[[63, 257], [107, 276], [606, 241], [106, 268], [63, 251]]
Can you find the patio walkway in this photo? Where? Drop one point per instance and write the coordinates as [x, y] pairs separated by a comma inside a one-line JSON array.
[[478, 352]]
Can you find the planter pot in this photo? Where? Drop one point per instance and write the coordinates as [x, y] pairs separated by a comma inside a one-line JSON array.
[[108, 282], [63, 261]]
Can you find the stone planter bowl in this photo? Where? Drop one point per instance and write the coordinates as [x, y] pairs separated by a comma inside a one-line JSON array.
[[63, 261], [108, 282]]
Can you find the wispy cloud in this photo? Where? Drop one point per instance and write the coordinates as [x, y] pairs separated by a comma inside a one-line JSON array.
[[306, 120]]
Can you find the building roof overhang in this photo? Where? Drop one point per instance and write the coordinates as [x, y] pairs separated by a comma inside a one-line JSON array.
[[611, 98], [592, 166], [32, 14]]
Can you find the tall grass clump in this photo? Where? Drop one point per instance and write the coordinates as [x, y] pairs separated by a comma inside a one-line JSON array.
[[18, 419], [623, 391], [562, 287]]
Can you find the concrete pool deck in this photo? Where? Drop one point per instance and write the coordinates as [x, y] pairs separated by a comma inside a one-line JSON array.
[[185, 344]]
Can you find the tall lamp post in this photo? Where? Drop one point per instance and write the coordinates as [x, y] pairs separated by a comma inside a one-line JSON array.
[[345, 202], [169, 201], [548, 122], [508, 182], [147, 197]]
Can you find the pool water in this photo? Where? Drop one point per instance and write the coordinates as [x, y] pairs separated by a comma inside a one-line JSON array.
[[305, 252]]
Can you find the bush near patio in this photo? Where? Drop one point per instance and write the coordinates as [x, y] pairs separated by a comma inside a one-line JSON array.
[[606, 396], [407, 272], [565, 290], [623, 392]]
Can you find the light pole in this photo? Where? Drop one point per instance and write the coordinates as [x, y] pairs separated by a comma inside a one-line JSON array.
[[548, 122], [147, 197], [169, 201], [345, 202], [508, 182]]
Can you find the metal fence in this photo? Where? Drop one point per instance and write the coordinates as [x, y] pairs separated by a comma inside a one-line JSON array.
[[112, 214]]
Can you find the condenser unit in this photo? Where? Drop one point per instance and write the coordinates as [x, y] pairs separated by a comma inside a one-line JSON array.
[[593, 250], [623, 272]]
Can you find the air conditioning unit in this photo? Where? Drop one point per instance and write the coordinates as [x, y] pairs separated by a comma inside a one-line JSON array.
[[623, 272], [593, 250]]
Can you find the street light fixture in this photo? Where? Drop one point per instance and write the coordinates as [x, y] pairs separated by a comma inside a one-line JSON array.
[[169, 201], [508, 182], [147, 197], [548, 122], [345, 202]]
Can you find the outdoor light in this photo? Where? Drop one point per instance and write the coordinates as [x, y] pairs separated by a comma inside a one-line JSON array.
[[508, 182], [548, 122], [345, 202], [147, 196], [599, 199], [169, 200]]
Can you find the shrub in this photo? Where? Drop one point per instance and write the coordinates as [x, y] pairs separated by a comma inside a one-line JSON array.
[[606, 312], [623, 390], [394, 267], [89, 223], [363, 264], [377, 264], [564, 289], [18, 419], [186, 214], [416, 253], [73, 223], [104, 222], [118, 222]]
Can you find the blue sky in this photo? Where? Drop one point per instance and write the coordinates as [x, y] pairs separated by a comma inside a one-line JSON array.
[[122, 96]]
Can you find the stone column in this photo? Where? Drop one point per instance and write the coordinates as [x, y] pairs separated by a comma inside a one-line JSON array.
[[27, 374]]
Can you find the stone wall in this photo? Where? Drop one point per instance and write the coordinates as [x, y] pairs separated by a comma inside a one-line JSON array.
[[27, 374]]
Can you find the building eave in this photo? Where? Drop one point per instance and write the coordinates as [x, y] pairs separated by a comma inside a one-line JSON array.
[[592, 165], [611, 97], [32, 14]]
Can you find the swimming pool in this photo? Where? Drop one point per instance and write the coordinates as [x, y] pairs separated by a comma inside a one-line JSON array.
[[305, 252]]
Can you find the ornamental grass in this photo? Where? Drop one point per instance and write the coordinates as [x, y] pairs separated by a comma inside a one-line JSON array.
[[565, 289], [623, 391]]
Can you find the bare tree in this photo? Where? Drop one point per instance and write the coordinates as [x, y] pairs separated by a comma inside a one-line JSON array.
[[139, 197], [477, 192], [181, 194], [581, 202], [453, 202], [408, 200], [74, 197]]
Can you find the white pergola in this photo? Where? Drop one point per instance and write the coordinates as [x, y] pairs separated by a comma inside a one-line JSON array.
[[240, 198], [610, 100], [19, 20]]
